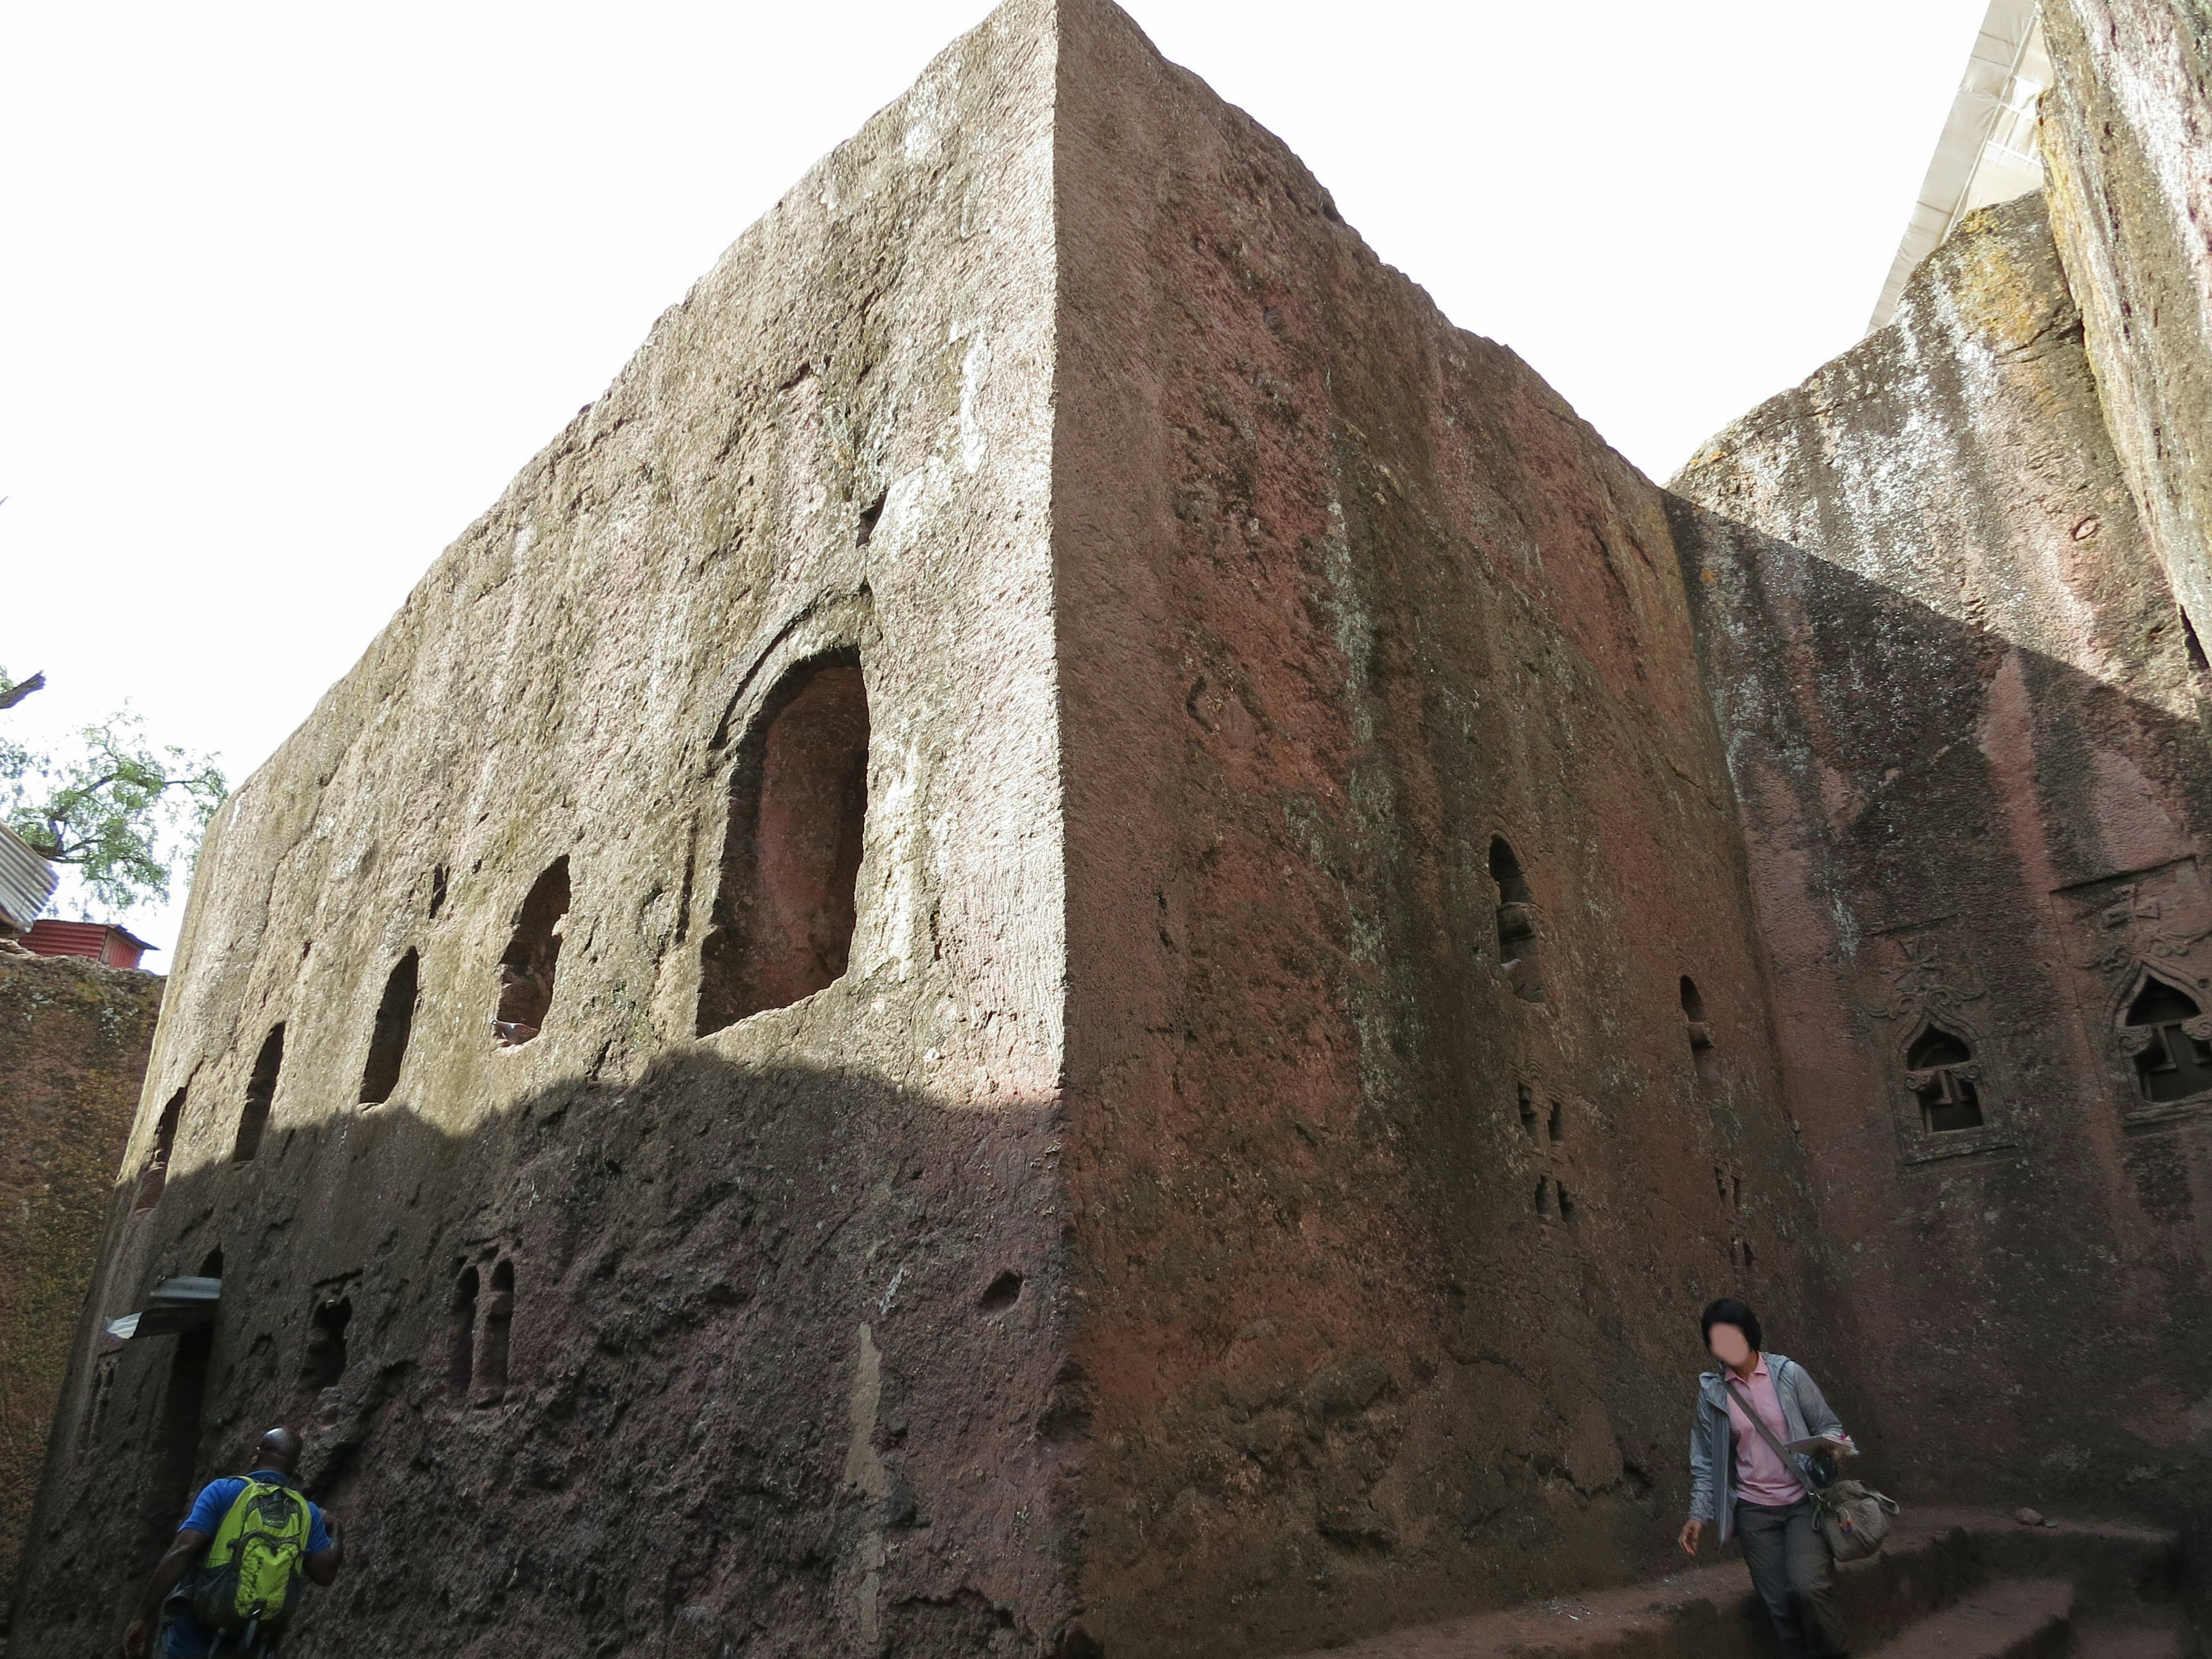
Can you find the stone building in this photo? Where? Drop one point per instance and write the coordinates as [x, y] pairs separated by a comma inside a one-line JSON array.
[[1077, 936], [74, 1037]]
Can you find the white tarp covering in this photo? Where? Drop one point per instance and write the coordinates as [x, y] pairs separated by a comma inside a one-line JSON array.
[[1988, 151]]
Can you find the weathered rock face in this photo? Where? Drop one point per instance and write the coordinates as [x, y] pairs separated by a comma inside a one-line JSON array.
[[2127, 141], [1965, 734], [74, 1037], [601, 1327], [1189, 775], [1377, 678]]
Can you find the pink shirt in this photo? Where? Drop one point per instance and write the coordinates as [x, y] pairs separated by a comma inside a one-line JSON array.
[[1761, 1476]]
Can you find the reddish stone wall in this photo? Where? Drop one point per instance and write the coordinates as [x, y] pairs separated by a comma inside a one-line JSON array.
[[1345, 592], [1967, 734], [73, 1043], [2127, 144]]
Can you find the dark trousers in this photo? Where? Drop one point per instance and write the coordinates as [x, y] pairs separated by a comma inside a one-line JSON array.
[[1793, 1574]]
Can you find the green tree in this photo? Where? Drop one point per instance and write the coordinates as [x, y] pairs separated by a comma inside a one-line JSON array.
[[122, 813]]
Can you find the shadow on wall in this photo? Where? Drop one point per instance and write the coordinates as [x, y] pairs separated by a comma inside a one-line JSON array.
[[1975, 865], [624, 1312]]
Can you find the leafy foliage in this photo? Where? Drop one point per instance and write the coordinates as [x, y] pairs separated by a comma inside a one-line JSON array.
[[121, 812]]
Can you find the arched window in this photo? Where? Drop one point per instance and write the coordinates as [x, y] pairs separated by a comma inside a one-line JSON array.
[[1941, 1071], [787, 905], [387, 1041], [260, 1095], [1517, 924], [156, 1173], [526, 971], [323, 1363], [2172, 1040]]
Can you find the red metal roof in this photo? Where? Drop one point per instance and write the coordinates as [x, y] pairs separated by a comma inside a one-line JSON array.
[[102, 941]]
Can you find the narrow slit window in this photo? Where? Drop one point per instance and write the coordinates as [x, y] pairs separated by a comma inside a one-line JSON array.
[[786, 906], [260, 1095], [526, 971], [1517, 950], [156, 1176], [498, 1330], [461, 1361], [2172, 1042], [387, 1042], [1698, 1030], [1944, 1079]]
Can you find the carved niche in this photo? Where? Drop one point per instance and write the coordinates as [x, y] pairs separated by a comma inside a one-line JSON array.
[[1947, 1100], [2143, 944]]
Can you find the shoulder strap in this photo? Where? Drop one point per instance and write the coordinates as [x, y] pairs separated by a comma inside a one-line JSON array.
[[1760, 1423]]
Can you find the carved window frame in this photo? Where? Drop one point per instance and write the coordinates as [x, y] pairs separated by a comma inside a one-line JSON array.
[[2128, 1043], [1916, 1142]]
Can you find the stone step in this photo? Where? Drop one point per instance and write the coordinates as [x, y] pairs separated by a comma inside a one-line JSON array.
[[2114, 1564], [2006, 1618], [1935, 1559], [2129, 1642]]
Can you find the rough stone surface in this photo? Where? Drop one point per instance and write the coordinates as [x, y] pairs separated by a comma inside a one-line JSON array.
[[1077, 937], [74, 1037], [753, 1400], [1176, 1231], [2127, 141], [1344, 593], [1966, 737]]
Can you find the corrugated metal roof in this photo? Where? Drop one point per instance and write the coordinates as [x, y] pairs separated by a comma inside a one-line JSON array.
[[177, 1304], [26, 881], [102, 941]]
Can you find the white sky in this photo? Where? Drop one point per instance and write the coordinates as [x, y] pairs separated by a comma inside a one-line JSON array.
[[289, 292]]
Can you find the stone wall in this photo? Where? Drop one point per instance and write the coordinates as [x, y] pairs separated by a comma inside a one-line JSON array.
[[1076, 936], [2127, 142], [606, 1332], [1965, 733], [1252, 1168], [73, 1042], [1391, 1258]]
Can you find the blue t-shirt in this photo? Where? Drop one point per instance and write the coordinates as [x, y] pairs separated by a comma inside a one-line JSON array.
[[186, 1638]]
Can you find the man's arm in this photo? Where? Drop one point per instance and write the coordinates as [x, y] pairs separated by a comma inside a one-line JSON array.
[[323, 1565], [169, 1569], [183, 1552]]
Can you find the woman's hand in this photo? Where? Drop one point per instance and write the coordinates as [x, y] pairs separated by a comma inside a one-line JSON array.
[[1691, 1531], [137, 1638]]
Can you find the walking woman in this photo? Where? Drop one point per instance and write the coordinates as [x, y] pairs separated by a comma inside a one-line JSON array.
[[1760, 1495]]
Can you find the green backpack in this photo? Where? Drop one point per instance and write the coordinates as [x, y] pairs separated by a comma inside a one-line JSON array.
[[256, 1556]]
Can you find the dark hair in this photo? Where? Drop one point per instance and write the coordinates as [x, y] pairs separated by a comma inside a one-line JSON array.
[[1730, 1311]]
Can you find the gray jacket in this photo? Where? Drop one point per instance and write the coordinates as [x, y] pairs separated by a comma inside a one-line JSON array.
[[1712, 1495]]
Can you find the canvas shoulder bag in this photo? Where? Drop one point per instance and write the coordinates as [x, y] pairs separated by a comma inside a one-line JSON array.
[[1851, 1516]]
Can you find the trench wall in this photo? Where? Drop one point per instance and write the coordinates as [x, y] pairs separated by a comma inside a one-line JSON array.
[[1965, 726], [760, 1321], [1390, 1273], [2127, 144], [73, 1042]]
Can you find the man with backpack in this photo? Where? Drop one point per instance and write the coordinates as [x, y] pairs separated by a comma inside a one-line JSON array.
[[232, 1577]]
